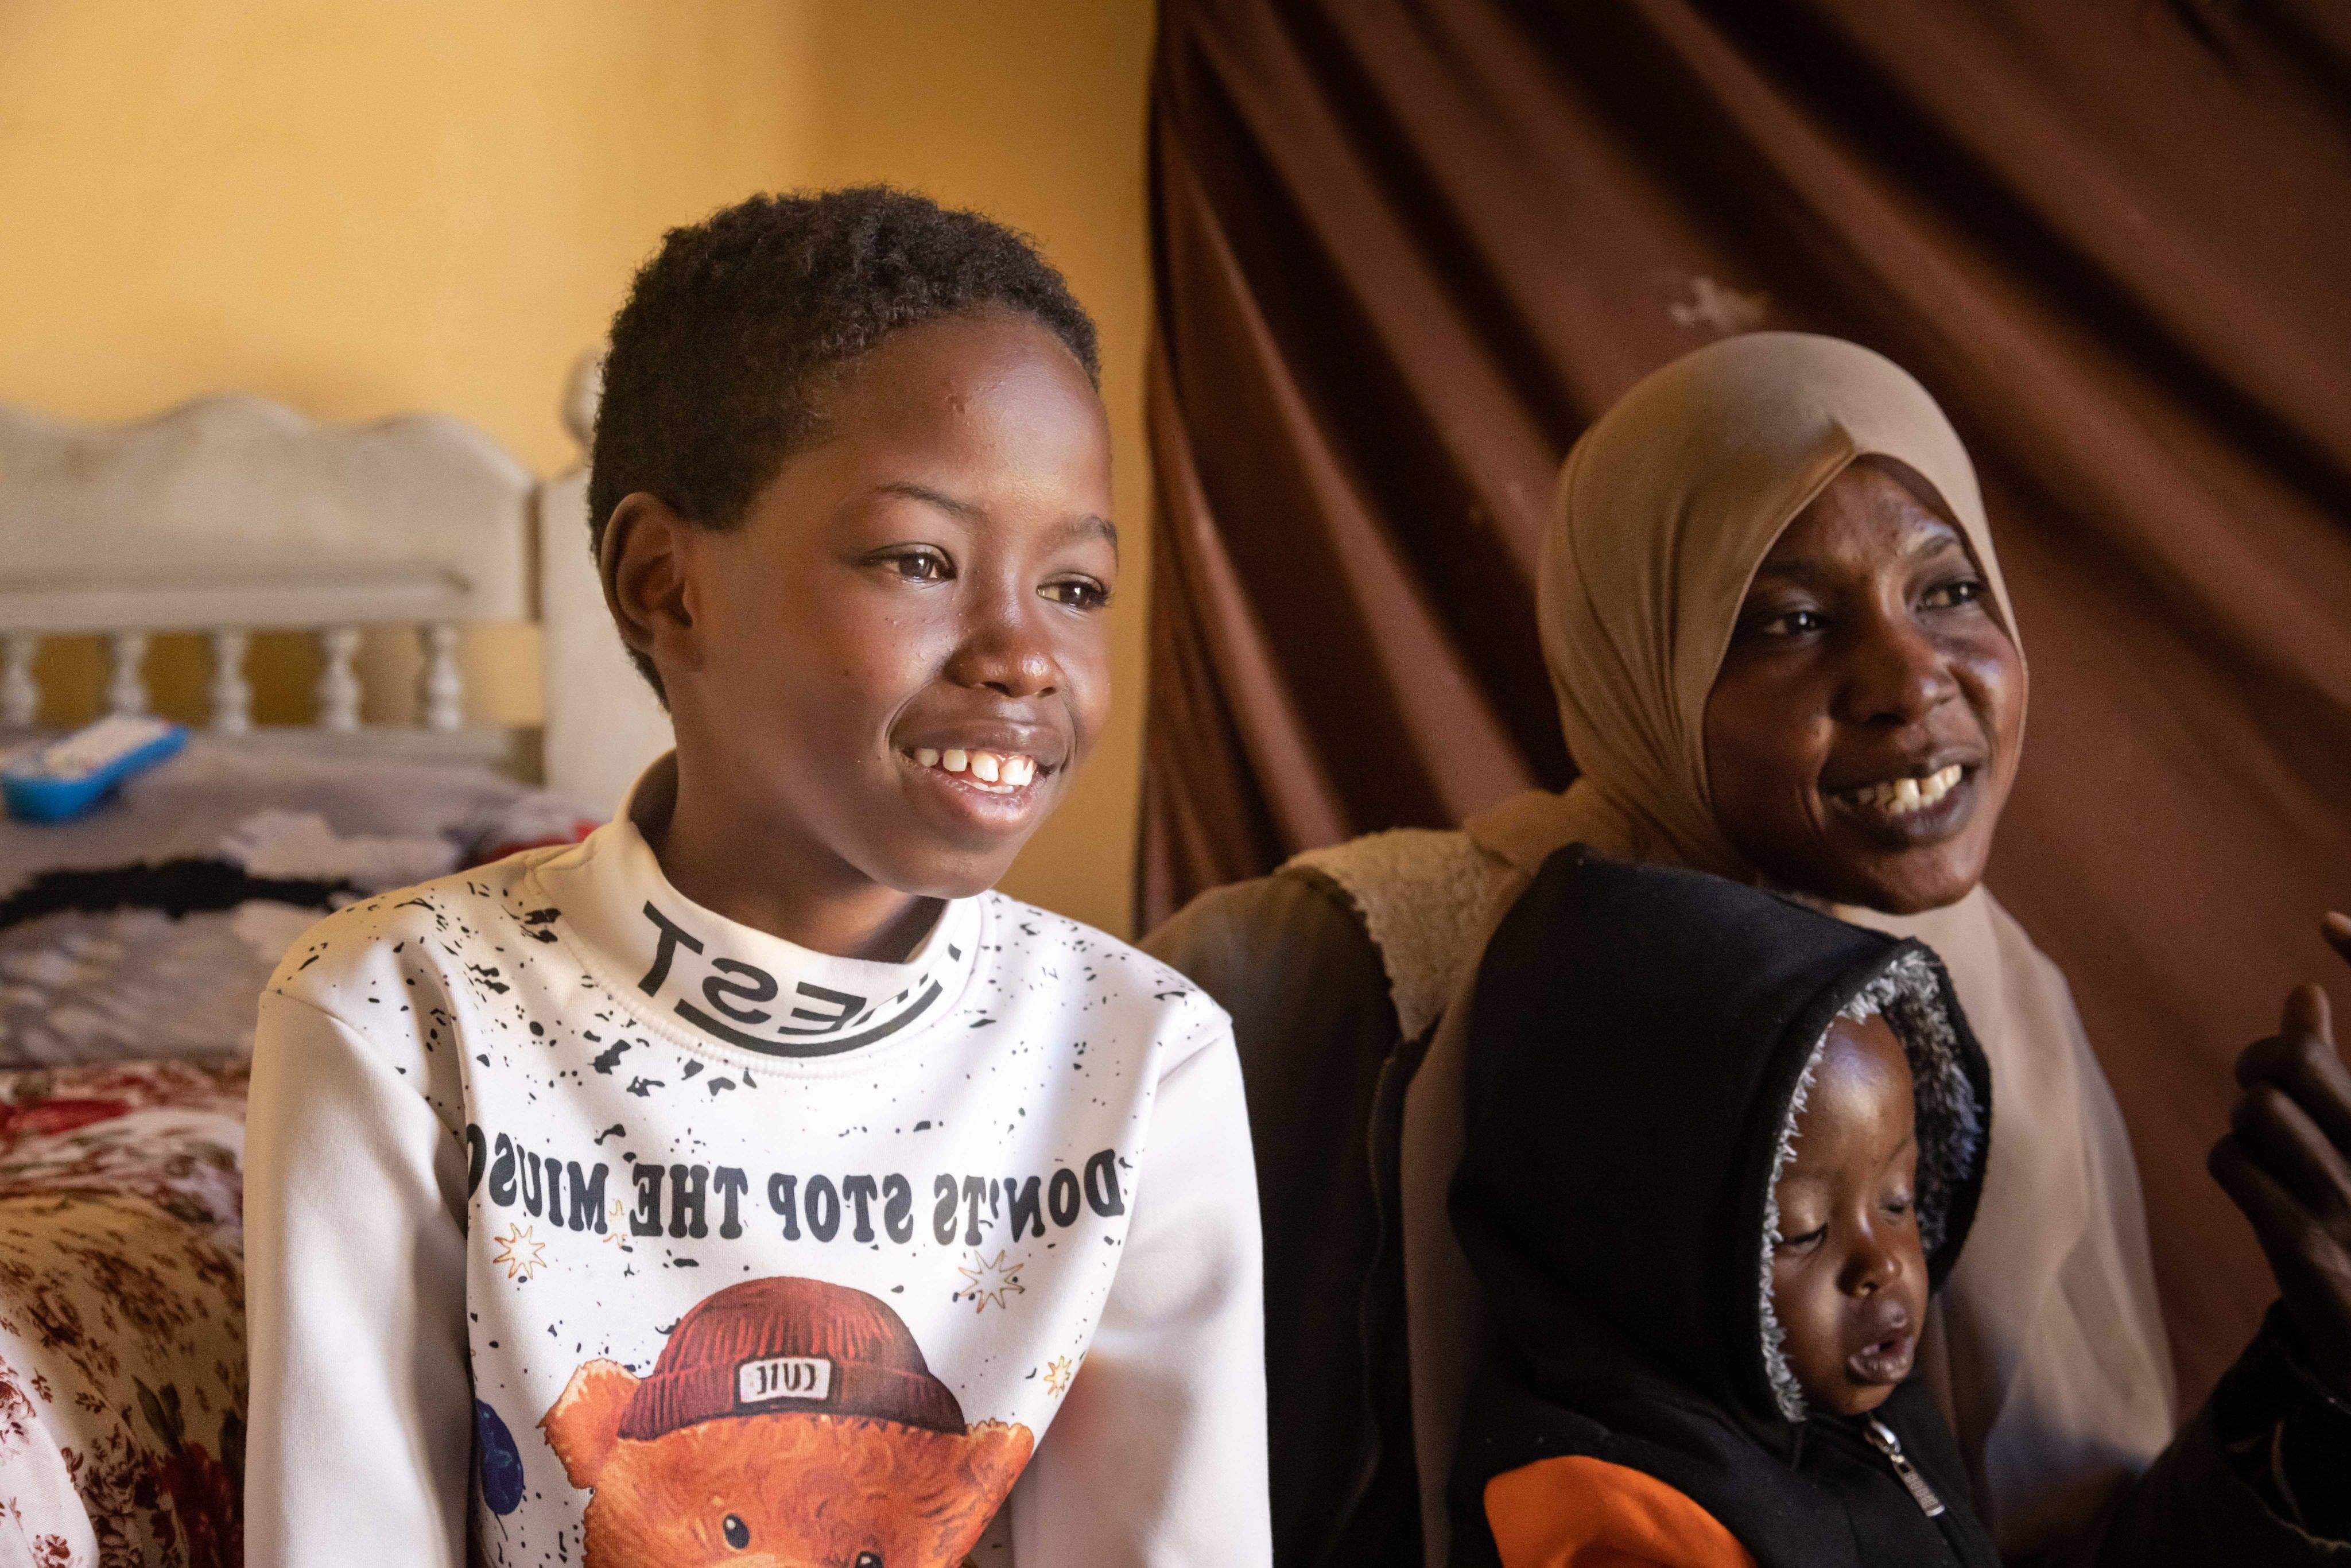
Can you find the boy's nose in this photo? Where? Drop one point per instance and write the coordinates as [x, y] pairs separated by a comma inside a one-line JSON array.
[[1028, 674], [1005, 655]]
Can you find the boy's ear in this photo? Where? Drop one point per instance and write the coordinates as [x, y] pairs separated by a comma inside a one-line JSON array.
[[645, 562], [584, 1422]]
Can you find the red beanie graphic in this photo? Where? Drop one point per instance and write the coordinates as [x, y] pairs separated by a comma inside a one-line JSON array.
[[769, 1347]]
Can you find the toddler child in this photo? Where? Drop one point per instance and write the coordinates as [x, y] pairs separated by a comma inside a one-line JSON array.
[[749, 1184], [1721, 1146]]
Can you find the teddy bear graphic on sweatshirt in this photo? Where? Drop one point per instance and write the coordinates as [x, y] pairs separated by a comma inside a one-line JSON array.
[[787, 1421]]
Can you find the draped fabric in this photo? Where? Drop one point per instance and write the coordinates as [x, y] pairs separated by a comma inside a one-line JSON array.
[[1405, 252]]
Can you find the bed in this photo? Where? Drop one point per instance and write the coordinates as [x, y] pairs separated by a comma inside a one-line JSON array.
[[134, 941]]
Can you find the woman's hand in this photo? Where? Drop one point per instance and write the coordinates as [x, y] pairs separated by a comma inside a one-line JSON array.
[[2287, 1163]]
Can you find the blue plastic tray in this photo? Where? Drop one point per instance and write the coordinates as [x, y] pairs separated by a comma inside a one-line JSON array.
[[34, 798]]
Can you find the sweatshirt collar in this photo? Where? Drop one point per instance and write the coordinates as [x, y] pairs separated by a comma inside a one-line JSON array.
[[727, 984]]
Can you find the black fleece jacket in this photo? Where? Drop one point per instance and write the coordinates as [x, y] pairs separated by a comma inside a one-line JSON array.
[[1639, 1047]]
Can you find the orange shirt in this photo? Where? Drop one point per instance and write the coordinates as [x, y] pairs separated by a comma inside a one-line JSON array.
[[1576, 1511]]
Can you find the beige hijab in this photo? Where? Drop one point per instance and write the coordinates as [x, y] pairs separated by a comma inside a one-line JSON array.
[[1664, 509]]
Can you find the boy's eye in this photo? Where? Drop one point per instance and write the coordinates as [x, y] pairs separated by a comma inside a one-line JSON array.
[[1798, 1243], [920, 565], [1897, 1207], [1076, 593], [1952, 595]]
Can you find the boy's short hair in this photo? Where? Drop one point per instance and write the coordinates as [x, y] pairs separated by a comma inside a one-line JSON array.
[[732, 330]]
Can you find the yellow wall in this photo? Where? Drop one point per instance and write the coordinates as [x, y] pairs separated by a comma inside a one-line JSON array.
[[369, 207]]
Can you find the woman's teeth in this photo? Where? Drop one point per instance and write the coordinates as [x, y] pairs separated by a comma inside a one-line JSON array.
[[997, 772], [1901, 797]]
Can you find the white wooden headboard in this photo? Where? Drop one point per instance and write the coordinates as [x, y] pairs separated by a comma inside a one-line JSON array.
[[231, 515]]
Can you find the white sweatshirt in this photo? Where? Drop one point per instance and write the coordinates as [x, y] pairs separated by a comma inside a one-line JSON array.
[[643, 1238]]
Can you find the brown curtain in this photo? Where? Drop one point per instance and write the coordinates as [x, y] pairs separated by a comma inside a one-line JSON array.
[[1405, 251]]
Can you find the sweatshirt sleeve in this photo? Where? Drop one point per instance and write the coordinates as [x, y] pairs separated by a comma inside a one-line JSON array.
[[1157, 1456], [360, 1433]]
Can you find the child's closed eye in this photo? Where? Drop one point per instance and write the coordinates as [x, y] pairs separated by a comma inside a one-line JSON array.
[[1799, 1243]]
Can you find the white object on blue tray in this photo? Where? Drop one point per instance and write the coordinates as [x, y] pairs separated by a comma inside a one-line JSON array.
[[67, 777]]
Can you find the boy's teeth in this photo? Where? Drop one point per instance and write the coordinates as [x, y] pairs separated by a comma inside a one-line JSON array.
[[1901, 797], [997, 770]]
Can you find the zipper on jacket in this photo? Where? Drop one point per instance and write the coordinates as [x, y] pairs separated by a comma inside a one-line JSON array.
[[1881, 1438]]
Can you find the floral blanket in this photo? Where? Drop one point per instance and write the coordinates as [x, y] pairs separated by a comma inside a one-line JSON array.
[[123, 1367]]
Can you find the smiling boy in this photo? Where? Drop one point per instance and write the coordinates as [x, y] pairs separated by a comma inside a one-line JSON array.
[[749, 1184]]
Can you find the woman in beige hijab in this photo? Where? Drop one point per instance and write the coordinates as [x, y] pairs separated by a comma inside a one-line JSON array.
[[1667, 620], [2060, 1380]]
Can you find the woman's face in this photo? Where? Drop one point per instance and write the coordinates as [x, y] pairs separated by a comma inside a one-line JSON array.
[[1862, 734]]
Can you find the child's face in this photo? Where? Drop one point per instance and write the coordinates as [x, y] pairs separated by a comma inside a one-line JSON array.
[[923, 585], [1848, 1277]]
